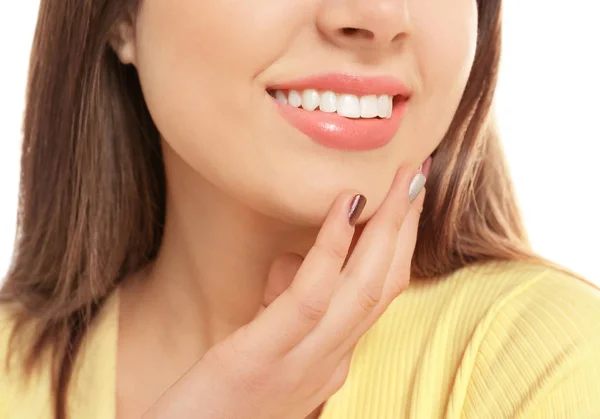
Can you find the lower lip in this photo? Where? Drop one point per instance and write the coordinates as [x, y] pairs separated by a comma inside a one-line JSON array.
[[334, 131]]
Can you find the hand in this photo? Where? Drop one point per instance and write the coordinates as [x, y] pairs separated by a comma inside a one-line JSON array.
[[296, 353]]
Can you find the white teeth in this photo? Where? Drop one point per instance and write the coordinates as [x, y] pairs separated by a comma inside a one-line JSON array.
[[294, 98], [328, 102], [281, 97], [310, 99], [384, 106], [369, 107], [347, 105]]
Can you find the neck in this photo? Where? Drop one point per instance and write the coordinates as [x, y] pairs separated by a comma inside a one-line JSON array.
[[210, 275]]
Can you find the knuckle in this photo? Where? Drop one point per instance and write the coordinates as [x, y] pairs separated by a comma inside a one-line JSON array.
[[253, 380], [399, 279], [334, 250], [339, 378], [398, 285], [311, 309], [368, 296]]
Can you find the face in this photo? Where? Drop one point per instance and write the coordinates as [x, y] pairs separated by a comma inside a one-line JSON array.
[[209, 70]]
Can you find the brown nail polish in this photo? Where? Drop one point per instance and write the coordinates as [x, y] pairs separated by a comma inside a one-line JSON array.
[[356, 208]]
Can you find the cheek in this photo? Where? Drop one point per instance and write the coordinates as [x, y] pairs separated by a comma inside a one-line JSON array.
[[445, 44], [223, 34], [196, 60]]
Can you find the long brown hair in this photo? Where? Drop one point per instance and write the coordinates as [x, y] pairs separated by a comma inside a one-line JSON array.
[[92, 201]]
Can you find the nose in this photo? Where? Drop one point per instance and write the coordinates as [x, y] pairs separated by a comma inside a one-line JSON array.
[[364, 24]]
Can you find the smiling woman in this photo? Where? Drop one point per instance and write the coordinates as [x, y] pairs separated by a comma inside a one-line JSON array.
[[223, 214]]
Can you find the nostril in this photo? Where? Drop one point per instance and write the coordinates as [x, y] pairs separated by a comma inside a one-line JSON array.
[[349, 31], [357, 32]]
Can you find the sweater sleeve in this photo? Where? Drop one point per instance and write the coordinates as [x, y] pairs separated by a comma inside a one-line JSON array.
[[540, 356]]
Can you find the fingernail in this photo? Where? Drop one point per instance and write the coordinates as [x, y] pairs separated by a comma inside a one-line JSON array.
[[416, 185], [356, 208]]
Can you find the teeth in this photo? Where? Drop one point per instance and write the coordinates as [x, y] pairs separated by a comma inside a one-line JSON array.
[[384, 106], [328, 102], [349, 106], [369, 107], [310, 100], [281, 97], [294, 98]]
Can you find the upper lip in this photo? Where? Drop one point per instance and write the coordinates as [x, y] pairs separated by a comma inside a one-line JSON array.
[[348, 83]]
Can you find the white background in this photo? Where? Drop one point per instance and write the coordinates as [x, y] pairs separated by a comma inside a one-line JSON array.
[[548, 105]]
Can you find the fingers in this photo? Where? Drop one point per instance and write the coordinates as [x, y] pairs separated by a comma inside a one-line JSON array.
[[379, 236], [399, 273], [307, 314], [397, 279], [358, 302], [299, 309]]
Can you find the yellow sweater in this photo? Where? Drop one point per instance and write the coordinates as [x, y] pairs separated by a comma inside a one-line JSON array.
[[504, 340]]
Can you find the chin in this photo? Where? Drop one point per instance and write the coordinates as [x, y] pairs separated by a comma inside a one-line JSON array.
[[307, 203]]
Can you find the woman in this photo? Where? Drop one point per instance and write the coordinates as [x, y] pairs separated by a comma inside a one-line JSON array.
[[194, 239]]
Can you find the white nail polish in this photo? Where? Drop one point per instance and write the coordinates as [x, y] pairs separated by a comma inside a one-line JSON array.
[[416, 185]]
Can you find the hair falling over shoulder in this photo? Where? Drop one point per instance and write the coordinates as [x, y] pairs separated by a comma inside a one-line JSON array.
[[92, 192]]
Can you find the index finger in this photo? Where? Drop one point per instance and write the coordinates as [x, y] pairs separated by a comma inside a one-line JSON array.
[[306, 301]]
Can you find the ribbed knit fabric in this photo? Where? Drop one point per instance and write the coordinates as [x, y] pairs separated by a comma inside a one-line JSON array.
[[503, 340]]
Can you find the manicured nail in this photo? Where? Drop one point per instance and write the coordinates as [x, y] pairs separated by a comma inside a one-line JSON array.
[[356, 208], [416, 185]]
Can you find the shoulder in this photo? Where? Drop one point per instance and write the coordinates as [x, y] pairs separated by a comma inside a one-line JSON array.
[[91, 387], [20, 393], [529, 301], [498, 282], [536, 352], [502, 339], [502, 301], [510, 293], [8, 312]]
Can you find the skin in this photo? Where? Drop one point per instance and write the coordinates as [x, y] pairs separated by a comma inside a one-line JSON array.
[[244, 186]]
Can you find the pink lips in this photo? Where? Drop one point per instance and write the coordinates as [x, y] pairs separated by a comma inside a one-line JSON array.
[[332, 130]]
